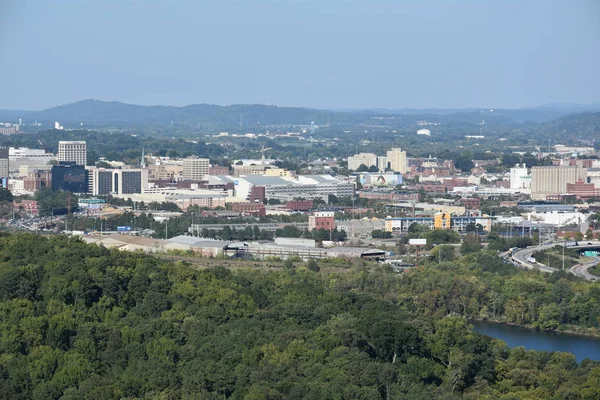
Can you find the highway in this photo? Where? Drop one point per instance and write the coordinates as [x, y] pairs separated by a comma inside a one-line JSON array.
[[521, 256], [581, 270]]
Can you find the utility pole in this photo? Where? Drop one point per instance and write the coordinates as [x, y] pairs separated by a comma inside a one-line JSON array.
[[192, 223], [564, 244], [166, 229]]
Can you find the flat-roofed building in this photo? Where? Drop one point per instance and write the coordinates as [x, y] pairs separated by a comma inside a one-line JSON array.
[[195, 169], [117, 181], [322, 220], [355, 161], [72, 151], [552, 180], [396, 160]]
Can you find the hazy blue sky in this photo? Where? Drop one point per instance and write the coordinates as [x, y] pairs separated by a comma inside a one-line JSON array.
[[325, 53]]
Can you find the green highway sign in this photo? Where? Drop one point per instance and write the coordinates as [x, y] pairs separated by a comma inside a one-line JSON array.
[[590, 253]]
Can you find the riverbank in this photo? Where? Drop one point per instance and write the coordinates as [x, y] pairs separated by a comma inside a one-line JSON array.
[[582, 347], [566, 329]]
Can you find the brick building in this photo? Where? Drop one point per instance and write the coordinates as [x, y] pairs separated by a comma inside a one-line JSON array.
[[322, 220], [299, 205], [582, 190], [254, 209], [471, 202]]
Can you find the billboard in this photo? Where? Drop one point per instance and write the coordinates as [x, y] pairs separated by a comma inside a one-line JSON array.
[[380, 179], [417, 242]]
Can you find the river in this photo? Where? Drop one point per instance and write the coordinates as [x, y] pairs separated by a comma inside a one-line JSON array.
[[514, 336]]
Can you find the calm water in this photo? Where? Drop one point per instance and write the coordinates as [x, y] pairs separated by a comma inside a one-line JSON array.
[[514, 336]]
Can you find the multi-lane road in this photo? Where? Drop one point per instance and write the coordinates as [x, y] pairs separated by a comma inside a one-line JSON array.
[[523, 258], [581, 270]]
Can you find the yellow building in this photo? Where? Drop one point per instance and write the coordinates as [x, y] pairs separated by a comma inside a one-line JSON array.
[[442, 221]]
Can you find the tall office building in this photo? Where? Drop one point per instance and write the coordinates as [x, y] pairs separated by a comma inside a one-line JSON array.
[[396, 160], [553, 180], [194, 168], [117, 181], [4, 168], [73, 151]]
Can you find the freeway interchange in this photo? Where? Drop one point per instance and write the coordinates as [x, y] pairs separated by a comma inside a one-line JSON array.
[[523, 258]]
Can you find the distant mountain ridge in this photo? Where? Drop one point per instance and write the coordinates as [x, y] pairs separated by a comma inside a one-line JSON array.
[[97, 113]]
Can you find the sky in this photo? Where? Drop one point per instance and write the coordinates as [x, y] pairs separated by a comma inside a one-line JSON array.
[[329, 54]]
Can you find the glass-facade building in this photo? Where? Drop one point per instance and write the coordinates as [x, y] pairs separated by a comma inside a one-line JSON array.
[[69, 177]]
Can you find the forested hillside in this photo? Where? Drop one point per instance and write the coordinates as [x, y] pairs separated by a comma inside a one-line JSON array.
[[82, 322]]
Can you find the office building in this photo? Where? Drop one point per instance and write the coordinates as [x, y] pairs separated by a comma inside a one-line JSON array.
[[553, 180], [117, 181], [73, 151], [70, 177], [355, 161], [4, 168], [195, 169], [396, 160], [30, 158]]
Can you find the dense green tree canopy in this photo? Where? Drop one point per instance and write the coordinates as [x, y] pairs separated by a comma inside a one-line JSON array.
[[79, 321]]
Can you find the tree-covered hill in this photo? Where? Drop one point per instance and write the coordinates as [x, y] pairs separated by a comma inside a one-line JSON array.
[[248, 117], [82, 322]]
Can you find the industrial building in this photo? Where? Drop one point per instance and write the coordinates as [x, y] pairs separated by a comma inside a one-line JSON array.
[[552, 180], [308, 187], [520, 180], [182, 198]]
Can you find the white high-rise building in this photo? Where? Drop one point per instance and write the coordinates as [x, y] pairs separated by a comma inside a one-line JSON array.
[[73, 151], [195, 169], [396, 159]]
